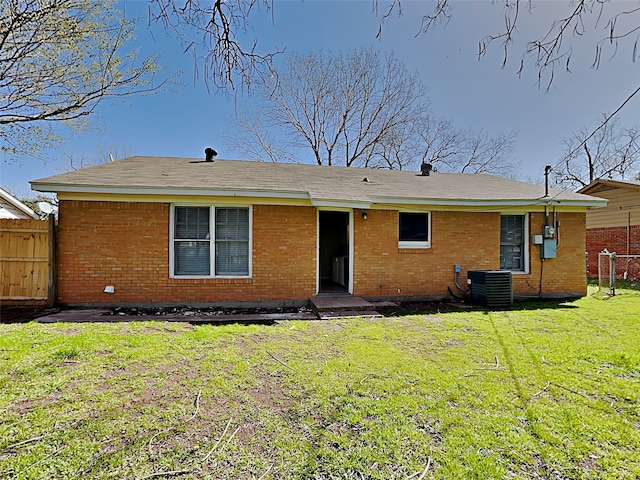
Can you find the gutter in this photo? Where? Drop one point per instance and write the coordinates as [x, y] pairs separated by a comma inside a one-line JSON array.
[[459, 202], [588, 201], [181, 191]]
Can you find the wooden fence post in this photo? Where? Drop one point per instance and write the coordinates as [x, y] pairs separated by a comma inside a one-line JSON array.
[[53, 271]]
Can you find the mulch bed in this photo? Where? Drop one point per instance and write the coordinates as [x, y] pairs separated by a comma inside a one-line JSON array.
[[199, 312], [26, 314]]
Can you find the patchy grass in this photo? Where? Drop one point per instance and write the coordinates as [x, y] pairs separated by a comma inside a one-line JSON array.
[[546, 390]]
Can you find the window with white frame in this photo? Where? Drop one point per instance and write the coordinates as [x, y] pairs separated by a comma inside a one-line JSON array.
[[210, 241], [414, 229], [513, 235]]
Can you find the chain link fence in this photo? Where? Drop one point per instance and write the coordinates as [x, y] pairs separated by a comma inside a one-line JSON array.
[[614, 268]]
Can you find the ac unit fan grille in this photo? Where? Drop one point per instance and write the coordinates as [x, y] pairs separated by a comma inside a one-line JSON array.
[[493, 288]]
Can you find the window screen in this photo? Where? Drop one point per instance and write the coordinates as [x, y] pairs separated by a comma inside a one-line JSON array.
[[192, 246], [512, 238], [232, 241]]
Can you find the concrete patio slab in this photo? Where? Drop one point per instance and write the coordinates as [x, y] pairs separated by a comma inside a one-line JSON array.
[[76, 316]]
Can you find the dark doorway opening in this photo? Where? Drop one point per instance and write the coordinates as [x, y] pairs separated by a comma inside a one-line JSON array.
[[334, 252]]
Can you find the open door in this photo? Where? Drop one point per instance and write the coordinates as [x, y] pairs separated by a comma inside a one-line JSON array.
[[333, 252]]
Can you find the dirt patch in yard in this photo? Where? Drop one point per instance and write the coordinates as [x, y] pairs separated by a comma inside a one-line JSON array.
[[423, 308]]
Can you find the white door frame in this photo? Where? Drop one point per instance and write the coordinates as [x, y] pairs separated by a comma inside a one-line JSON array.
[[351, 249]]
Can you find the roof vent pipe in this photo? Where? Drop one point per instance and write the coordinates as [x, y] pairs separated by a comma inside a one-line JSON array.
[[425, 169], [210, 154]]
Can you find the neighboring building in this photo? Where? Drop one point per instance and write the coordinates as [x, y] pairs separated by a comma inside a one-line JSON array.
[[176, 230], [12, 208], [615, 227]]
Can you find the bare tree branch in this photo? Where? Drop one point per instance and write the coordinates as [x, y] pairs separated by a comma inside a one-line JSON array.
[[552, 47], [613, 151], [360, 109], [213, 32]]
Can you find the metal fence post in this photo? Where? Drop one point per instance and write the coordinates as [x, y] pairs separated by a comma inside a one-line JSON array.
[[612, 274]]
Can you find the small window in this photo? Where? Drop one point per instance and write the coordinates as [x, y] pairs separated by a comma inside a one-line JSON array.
[[210, 241], [512, 243], [414, 231]]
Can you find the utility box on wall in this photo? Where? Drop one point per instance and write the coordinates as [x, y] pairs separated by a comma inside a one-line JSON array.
[[548, 248]]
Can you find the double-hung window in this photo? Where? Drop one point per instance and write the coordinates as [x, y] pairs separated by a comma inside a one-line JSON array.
[[513, 248], [414, 230], [210, 241]]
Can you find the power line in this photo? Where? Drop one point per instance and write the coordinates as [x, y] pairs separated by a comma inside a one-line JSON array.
[[606, 120]]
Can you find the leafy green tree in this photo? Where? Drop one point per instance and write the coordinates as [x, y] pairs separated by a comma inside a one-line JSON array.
[[58, 60]]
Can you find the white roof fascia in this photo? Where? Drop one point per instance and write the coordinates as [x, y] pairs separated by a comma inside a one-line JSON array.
[[316, 202], [181, 191], [17, 204], [301, 195]]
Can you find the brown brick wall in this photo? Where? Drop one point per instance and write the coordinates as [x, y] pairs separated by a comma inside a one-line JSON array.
[[382, 269], [621, 240], [127, 245], [471, 240], [567, 272]]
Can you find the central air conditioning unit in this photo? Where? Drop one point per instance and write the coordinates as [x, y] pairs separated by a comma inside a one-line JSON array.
[[493, 288]]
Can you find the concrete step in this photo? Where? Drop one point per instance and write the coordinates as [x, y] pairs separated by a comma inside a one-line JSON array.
[[340, 303]]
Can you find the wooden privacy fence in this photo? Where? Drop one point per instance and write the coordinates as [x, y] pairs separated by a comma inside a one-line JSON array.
[[27, 261]]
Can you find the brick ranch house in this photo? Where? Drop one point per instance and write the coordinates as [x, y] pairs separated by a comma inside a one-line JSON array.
[[616, 227], [185, 231]]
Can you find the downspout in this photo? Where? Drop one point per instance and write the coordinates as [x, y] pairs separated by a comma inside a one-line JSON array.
[[556, 226], [626, 271], [541, 271], [629, 233], [546, 222]]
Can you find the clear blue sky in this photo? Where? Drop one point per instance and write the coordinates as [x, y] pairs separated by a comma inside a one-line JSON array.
[[474, 93]]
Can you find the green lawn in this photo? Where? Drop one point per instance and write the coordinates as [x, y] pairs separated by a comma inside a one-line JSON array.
[[547, 390]]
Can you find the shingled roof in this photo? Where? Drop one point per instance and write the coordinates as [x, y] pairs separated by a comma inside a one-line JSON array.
[[322, 185], [603, 184]]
